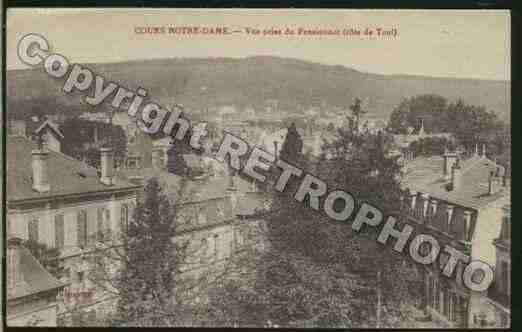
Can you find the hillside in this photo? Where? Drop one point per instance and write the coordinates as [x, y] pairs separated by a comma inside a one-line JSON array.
[[250, 81]]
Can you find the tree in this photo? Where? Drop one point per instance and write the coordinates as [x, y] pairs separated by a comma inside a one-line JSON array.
[[431, 146], [291, 152], [84, 138], [292, 148], [176, 164], [145, 265], [430, 108], [318, 273], [357, 111], [469, 124]]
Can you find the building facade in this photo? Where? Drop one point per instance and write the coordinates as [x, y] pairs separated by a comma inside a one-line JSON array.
[[55, 200], [460, 203]]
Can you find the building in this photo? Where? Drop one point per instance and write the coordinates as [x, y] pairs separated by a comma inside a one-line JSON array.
[[220, 216], [42, 127], [62, 203], [460, 202], [499, 294], [31, 290]]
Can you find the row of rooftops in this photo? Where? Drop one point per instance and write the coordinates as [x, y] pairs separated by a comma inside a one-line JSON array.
[[473, 182]]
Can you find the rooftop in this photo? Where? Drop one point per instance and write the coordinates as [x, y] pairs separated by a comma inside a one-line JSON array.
[[67, 175], [32, 277], [424, 174]]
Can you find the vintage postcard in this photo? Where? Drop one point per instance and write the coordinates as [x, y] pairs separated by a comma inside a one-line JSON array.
[[258, 168]]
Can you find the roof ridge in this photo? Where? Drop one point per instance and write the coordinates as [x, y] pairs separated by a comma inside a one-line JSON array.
[[475, 163], [52, 125]]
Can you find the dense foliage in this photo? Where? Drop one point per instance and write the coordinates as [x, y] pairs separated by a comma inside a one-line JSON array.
[[83, 143]]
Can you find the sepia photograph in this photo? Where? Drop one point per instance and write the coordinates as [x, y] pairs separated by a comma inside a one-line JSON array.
[[265, 168]]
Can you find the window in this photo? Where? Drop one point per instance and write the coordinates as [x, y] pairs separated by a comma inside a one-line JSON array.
[[59, 231], [99, 224], [203, 251], [202, 217], [504, 275], [124, 221], [467, 225], [436, 295], [33, 230], [216, 246], [430, 291], [81, 277], [107, 221], [446, 303], [506, 228], [81, 223]]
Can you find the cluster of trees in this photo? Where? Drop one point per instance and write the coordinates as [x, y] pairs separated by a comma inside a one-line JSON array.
[[146, 268], [318, 273], [468, 124], [430, 146], [81, 140]]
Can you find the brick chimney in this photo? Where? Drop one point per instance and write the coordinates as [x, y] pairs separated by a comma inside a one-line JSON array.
[[40, 167], [456, 176], [107, 166]]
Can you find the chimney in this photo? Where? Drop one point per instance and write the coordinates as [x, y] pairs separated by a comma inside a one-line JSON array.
[[40, 166], [493, 185], [107, 166], [450, 158], [456, 176], [276, 153]]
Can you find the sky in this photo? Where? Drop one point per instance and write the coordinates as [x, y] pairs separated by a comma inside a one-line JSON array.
[[442, 43]]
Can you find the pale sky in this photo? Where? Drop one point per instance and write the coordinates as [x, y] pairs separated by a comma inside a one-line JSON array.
[[447, 43]]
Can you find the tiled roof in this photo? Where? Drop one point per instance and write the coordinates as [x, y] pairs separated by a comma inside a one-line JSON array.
[[66, 175], [33, 277], [207, 199], [424, 174], [209, 187]]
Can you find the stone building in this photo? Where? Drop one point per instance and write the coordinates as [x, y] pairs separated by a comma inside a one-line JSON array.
[[460, 202], [58, 201]]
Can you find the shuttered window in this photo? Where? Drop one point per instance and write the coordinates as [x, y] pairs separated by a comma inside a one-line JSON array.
[[81, 223], [59, 231], [33, 230]]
